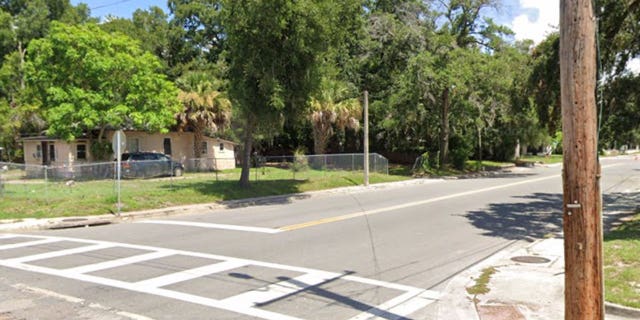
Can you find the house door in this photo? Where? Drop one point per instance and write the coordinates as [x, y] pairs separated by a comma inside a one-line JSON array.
[[167, 146], [48, 152], [45, 153]]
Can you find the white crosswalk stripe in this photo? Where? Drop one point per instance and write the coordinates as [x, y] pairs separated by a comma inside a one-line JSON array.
[[248, 303], [191, 274], [120, 262]]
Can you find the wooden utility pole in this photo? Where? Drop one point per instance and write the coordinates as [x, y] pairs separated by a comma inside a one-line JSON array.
[[366, 138], [582, 222]]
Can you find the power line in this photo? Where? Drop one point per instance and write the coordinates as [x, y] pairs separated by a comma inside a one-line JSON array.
[[109, 4]]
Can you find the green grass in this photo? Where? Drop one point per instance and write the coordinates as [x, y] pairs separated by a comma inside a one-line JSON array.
[[400, 170], [35, 199], [622, 264], [482, 283], [554, 158], [472, 165]]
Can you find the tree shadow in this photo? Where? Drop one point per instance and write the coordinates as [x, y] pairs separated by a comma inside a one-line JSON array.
[[323, 292], [539, 215], [266, 192]]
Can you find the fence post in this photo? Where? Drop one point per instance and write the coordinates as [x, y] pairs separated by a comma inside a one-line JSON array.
[[46, 187], [353, 160], [215, 167], [171, 175], [1, 182], [375, 163]]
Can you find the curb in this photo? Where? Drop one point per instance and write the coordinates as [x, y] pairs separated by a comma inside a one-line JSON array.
[[622, 311]]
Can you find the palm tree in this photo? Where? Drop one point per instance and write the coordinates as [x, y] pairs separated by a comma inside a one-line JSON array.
[[205, 108], [331, 109]]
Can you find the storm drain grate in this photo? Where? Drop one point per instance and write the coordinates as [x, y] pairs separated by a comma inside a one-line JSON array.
[[530, 259]]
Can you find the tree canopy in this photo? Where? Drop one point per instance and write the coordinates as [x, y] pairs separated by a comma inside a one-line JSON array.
[[84, 78], [444, 79]]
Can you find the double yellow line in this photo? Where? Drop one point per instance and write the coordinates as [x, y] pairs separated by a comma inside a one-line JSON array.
[[416, 203]]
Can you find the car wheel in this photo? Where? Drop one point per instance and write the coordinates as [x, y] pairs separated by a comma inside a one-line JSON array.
[[177, 172]]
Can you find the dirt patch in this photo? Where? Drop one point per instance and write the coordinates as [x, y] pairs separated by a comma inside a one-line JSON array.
[[500, 313]]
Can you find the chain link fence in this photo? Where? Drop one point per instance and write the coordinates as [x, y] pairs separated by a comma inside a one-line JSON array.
[[332, 162], [93, 187], [201, 165]]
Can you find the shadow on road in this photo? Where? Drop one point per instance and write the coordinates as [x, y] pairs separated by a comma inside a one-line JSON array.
[[539, 215]]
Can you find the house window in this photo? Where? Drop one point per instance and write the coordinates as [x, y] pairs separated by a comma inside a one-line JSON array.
[[52, 152], [222, 147], [133, 145], [38, 153], [81, 152], [203, 146], [167, 145]]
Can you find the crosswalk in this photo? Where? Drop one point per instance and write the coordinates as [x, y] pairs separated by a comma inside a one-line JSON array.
[[38, 254]]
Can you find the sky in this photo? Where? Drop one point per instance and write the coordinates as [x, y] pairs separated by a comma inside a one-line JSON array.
[[534, 19], [120, 8]]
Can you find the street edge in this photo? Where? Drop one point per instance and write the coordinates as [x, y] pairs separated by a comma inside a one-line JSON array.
[[620, 310], [32, 224]]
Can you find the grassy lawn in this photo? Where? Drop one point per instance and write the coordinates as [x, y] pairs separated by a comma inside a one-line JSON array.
[[35, 199], [554, 158], [622, 264], [472, 165]]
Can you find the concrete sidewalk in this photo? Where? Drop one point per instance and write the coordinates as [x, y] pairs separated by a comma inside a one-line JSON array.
[[528, 283]]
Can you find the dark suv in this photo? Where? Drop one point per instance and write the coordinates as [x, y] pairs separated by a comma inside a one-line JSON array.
[[149, 164]]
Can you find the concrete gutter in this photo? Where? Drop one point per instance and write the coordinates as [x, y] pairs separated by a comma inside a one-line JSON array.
[[622, 311]]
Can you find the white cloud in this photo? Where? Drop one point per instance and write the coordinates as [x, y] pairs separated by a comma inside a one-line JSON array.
[[546, 21], [634, 66]]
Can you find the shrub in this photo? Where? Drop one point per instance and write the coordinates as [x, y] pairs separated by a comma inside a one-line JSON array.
[[101, 150], [460, 151], [300, 162]]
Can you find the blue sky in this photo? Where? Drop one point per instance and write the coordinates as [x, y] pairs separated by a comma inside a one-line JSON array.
[[120, 8], [530, 19]]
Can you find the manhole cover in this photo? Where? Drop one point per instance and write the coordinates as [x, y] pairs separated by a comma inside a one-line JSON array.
[[530, 259]]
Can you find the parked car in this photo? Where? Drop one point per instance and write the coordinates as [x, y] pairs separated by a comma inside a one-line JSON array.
[[149, 164]]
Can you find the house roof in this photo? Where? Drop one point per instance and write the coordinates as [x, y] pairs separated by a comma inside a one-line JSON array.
[[45, 138]]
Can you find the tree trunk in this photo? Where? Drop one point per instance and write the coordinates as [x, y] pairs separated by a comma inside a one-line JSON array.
[[198, 137], [322, 132], [101, 134], [23, 53], [479, 148], [444, 129], [320, 141], [246, 153]]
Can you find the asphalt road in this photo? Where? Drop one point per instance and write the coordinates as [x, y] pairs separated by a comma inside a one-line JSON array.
[[383, 251]]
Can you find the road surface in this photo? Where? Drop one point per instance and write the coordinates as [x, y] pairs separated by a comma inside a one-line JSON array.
[[384, 252]]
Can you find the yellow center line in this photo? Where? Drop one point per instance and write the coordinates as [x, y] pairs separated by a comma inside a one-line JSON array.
[[322, 221]]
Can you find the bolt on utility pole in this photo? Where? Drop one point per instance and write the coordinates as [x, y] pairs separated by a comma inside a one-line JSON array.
[[366, 138], [582, 208]]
